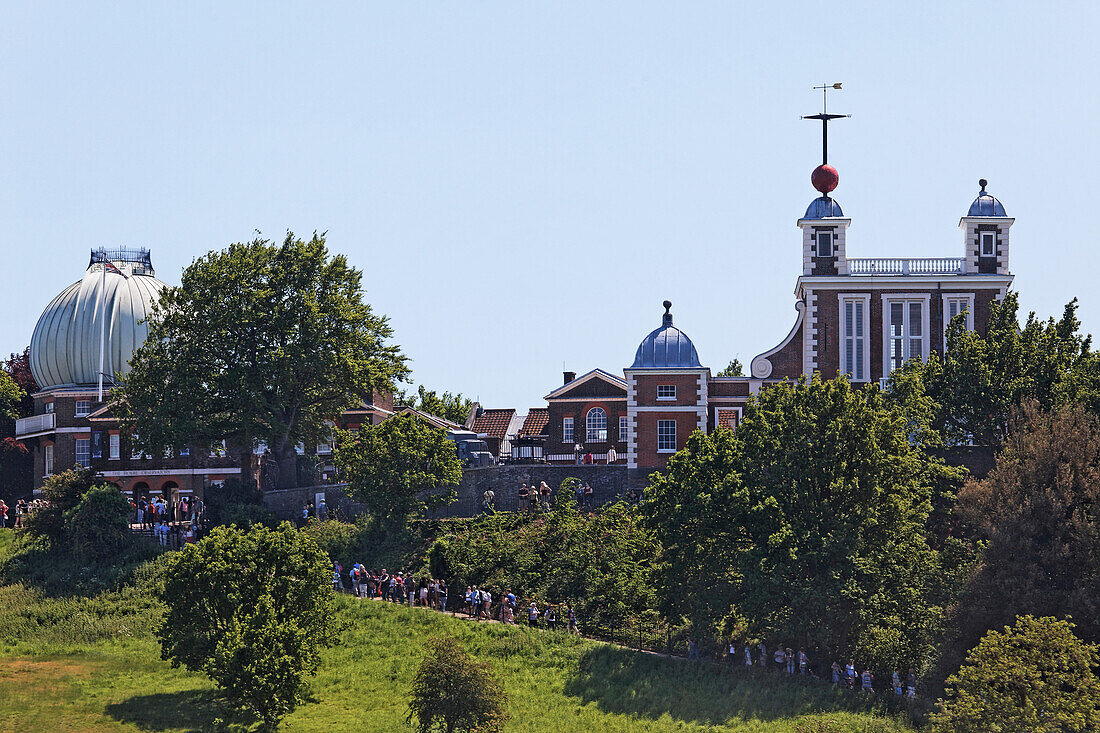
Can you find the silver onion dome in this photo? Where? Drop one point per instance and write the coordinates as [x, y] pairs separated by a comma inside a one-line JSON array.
[[119, 288]]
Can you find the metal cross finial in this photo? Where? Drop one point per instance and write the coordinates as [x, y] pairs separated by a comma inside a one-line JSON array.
[[825, 117]]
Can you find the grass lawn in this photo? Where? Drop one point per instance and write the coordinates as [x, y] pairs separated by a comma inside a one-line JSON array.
[[75, 664]]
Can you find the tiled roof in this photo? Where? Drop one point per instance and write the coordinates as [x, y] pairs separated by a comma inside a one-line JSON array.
[[493, 423], [536, 421]]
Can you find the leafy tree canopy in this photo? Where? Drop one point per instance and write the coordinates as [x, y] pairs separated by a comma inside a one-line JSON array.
[[1037, 510], [389, 465], [455, 693], [1034, 677], [806, 524], [63, 492], [16, 462], [733, 369], [981, 379], [10, 396], [260, 342], [98, 527], [453, 407], [251, 610]]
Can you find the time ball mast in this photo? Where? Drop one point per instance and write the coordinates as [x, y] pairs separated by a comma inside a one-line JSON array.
[[825, 177]]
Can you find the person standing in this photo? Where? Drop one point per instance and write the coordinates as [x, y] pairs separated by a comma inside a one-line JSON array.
[[867, 678], [803, 661], [3, 514], [748, 655], [791, 661], [836, 673], [895, 681], [588, 493], [612, 456], [442, 595], [850, 673], [763, 655], [911, 684], [533, 615], [571, 615]]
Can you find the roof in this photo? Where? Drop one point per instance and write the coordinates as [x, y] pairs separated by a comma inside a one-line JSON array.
[[823, 207], [666, 347], [597, 374], [434, 420], [493, 423], [986, 204], [537, 419]]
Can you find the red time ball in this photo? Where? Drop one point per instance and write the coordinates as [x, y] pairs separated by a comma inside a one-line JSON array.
[[824, 178]]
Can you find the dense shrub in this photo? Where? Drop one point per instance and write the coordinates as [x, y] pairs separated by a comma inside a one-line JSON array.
[[1035, 676], [63, 491], [455, 693], [98, 527], [246, 516]]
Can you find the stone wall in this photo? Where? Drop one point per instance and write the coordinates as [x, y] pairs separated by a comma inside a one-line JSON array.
[[608, 484]]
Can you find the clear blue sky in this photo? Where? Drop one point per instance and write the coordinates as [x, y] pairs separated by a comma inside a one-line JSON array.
[[524, 185]]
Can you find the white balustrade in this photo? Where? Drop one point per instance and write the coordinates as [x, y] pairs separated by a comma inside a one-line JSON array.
[[905, 266], [35, 424]]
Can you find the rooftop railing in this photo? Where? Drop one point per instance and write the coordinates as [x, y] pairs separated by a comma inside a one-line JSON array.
[[906, 266]]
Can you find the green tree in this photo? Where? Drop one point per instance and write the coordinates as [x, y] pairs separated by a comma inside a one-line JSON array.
[[98, 527], [1035, 677], [807, 524], [11, 395], [1036, 510], [251, 610], [259, 343], [453, 407], [733, 369], [390, 466], [62, 492], [982, 378], [455, 693]]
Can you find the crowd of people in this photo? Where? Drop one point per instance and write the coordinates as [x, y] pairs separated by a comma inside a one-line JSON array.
[[790, 661], [22, 510], [173, 523], [476, 603]]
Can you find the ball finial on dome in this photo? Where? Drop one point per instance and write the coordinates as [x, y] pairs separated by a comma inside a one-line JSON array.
[[668, 305], [983, 183], [825, 178]]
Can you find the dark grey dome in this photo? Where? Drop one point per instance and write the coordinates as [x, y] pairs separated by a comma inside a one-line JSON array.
[[666, 348], [986, 204], [823, 207]]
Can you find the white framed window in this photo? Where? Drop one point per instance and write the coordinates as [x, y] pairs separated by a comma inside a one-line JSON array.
[[135, 452], [666, 391], [989, 243], [217, 450], [83, 451], [953, 305], [83, 408], [824, 244], [666, 436], [49, 459], [855, 324], [324, 449], [596, 426], [905, 325], [727, 417], [49, 408], [567, 430], [624, 428], [115, 446]]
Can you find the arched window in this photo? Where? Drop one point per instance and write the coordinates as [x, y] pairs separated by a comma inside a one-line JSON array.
[[596, 423]]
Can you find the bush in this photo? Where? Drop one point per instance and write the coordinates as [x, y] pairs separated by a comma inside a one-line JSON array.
[[251, 610], [247, 516], [98, 527], [455, 692], [1035, 676], [63, 491]]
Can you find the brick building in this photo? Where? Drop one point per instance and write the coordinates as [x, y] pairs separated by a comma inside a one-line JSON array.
[[100, 319], [861, 317]]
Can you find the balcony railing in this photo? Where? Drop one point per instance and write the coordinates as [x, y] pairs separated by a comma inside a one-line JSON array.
[[906, 266], [36, 424]]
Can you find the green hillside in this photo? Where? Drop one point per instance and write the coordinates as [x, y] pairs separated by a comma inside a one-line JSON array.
[[90, 663]]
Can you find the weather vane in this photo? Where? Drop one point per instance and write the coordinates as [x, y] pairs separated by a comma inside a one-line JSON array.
[[825, 117], [825, 177]]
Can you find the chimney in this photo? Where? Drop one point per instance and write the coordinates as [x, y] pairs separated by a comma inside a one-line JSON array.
[[569, 377]]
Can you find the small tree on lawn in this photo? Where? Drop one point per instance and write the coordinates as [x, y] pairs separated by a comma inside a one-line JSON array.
[[98, 527], [389, 465], [1034, 677], [452, 692], [251, 610]]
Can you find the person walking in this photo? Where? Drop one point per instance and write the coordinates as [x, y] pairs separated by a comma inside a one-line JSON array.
[[588, 494], [533, 616], [571, 616], [803, 661], [867, 678], [836, 673], [850, 674]]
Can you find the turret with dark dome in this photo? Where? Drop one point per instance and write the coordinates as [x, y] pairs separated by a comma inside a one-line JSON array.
[[118, 288], [666, 347], [986, 204]]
